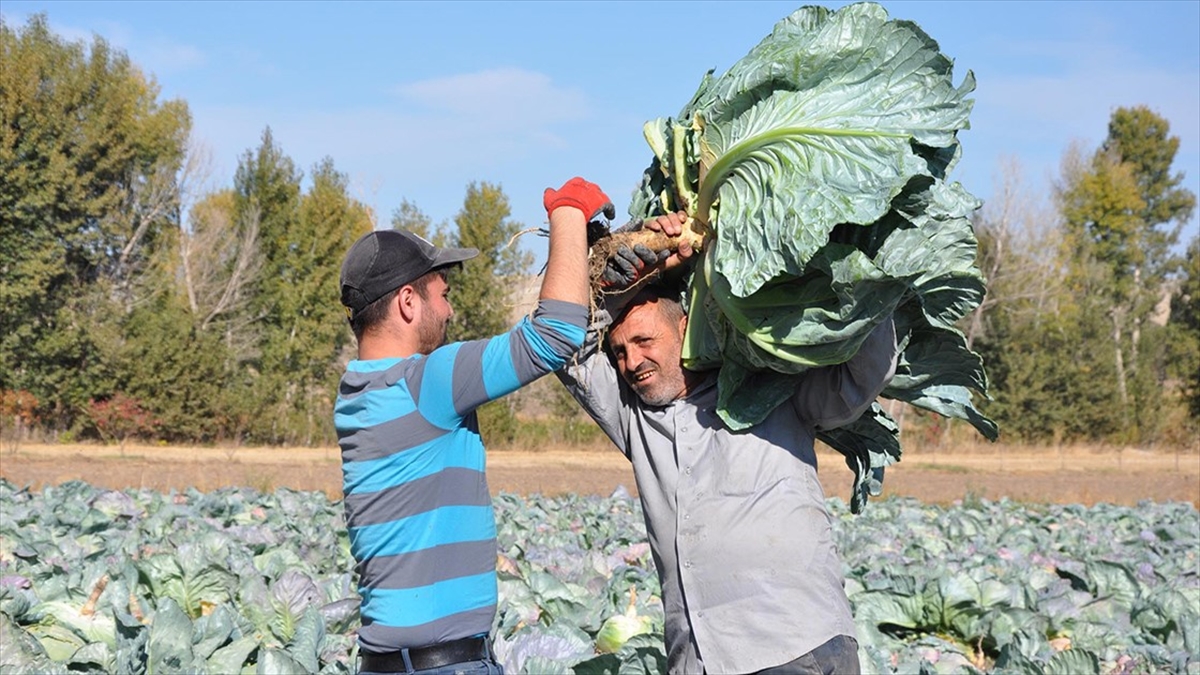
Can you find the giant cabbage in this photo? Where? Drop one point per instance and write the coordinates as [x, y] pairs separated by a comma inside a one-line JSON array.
[[816, 171]]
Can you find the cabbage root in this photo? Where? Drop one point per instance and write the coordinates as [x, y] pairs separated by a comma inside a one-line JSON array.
[[605, 249]]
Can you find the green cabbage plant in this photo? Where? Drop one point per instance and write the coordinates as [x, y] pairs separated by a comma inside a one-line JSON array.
[[815, 173]]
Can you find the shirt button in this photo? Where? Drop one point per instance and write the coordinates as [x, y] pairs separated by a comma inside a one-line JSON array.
[[687, 470], [688, 517], [683, 429], [688, 564]]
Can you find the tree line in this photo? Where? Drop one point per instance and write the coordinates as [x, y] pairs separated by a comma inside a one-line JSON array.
[[136, 302]]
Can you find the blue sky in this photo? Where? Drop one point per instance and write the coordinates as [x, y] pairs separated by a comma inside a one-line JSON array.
[[415, 100]]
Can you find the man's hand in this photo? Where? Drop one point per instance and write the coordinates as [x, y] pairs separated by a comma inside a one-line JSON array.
[[672, 226], [580, 194], [631, 263]]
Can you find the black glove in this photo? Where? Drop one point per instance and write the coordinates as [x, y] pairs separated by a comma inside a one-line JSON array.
[[627, 265]]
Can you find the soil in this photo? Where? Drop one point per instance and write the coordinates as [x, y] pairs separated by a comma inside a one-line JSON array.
[[1064, 475]]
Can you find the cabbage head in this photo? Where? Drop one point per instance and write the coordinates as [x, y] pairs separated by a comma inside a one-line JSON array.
[[817, 168]]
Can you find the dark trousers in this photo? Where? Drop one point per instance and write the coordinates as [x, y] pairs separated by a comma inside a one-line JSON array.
[[838, 656]]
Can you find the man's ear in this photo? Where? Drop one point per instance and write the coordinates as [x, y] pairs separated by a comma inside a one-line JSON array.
[[407, 301]]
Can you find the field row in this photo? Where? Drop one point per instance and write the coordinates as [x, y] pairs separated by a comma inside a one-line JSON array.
[[238, 580]]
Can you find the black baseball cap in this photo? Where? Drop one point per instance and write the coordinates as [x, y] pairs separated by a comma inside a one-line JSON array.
[[384, 260]]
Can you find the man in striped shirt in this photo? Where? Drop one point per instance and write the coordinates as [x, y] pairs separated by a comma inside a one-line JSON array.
[[417, 503]]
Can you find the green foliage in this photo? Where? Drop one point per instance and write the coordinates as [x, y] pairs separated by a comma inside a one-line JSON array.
[[1122, 212], [1099, 207], [310, 328], [1076, 348], [481, 301], [87, 175], [177, 370], [1185, 332], [1047, 381], [482, 304], [409, 217], [300, 324], [1141, 139]]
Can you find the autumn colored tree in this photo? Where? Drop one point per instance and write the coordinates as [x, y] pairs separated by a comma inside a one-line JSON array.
[[1122, 209]]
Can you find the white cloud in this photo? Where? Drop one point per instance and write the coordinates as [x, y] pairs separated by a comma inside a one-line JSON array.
[[481, 121], [502, 96], [166, 56]]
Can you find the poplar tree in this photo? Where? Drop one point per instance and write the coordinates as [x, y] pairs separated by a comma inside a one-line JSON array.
[[88, 202], [1122, 212]]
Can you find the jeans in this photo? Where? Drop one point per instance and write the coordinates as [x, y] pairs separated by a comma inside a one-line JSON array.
[[482, 667], [838, 656]]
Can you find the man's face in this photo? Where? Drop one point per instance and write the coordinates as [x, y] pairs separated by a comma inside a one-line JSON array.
[[435, 314], [647, 345]]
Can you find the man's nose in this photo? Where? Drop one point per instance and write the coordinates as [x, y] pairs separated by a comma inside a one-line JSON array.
[[633, 358]]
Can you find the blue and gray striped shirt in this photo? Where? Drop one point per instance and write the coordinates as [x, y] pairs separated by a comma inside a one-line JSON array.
[[417, 503]]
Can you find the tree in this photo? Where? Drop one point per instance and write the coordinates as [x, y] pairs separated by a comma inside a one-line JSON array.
[[1018, 331], [176, 371], [481, 292], [267, 191], [1123, 210], [1140, 138], [409, 217], [481, 301], [88, 181], [1185, 324], [219, 267], [1016, 251], [1100, 207], [301, 240], [316, 329]]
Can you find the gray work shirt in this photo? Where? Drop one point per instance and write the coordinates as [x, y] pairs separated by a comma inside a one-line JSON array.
[[737, 520]]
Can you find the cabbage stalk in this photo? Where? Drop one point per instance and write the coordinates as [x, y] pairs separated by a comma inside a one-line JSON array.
[[619, 628]]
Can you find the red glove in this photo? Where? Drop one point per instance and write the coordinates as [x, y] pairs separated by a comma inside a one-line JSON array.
[[579, 193]]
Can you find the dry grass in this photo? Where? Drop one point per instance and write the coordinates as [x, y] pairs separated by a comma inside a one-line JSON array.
[[1069, 474]]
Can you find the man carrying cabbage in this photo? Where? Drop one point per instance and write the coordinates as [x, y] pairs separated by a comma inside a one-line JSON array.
[[737, 522]]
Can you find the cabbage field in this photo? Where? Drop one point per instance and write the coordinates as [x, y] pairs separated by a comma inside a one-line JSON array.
[[236, 580]]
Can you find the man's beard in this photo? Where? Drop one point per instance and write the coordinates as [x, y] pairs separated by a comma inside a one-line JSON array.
[[662, 391], [431, 333]]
